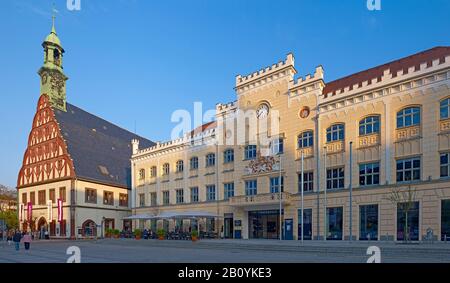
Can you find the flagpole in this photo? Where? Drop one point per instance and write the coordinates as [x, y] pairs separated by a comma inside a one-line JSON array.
[[302, 190], [279, 196], [325, 196], [351, 189]]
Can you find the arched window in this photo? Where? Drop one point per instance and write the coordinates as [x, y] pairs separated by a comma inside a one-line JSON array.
[[180, 166], [153, 171], [305, 139], [335, 133], [228, 156], [445, 108], [141, 174], [166, 169], [210, 159], [369, 125], [194, 163], [408, 117]]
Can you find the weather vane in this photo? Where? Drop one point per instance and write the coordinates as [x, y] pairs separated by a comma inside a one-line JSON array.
[[54, 12]]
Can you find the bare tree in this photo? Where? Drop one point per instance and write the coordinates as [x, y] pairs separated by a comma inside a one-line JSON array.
[[407, 199]]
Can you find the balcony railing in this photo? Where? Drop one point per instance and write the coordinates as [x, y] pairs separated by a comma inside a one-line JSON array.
[[261, 199], [369, 140], [407, 133], [307, 152], [335, 147], [444, 125]]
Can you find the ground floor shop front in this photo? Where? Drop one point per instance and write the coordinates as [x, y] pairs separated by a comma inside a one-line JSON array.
[[373, 215]]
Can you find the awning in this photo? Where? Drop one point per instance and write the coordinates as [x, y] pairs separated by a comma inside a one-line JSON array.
[[173, 215], [140, 216]]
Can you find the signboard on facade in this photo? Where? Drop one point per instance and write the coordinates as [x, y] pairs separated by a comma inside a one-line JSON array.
[[49, 211], [21, 210], [60, 210], [29, 212]]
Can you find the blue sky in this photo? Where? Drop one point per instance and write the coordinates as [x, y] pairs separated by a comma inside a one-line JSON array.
[[137, 61]]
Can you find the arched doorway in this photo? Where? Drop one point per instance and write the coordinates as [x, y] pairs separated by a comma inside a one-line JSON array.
[[42, 227], [89, 228]]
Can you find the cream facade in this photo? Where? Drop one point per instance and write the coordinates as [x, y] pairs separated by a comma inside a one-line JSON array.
[[395, 116]]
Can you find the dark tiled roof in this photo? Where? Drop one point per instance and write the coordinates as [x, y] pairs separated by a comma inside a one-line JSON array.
[[427, 56], [101, 151]]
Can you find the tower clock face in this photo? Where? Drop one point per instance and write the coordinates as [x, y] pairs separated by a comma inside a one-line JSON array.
[[262, 111]]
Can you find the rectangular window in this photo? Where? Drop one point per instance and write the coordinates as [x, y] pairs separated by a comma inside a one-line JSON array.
[[334, 220], [108, 198], [408, 221], [276, 146], [368, 222], [251, 188], [275, 184], [166, 198], [123, 199], [308, 181], [250, 151], [179, 196], [62, 193], [153, 199], [445, 220], [141, 200], [228, 156], [445, 165], [408, 169], [194, 194], [210, 192], [90, 196], [194, 163], [52, 195], [228, 190], [335, 178], [369, 174], [210, 160], [33, 198], [41, 197], [24, 198]]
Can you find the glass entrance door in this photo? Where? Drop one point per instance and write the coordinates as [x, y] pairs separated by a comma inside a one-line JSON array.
[[368, 222], [228, 228], [264, 224], [307, 223]]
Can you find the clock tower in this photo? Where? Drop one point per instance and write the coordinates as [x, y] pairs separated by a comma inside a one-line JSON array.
[[53, 80]]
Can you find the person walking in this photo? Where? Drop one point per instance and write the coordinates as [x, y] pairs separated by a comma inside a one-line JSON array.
[[27, 241], [16, 239], [9, 238]]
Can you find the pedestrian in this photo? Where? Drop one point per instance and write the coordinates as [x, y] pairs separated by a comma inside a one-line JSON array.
[[16, 239], [9, 238], [27, 241]]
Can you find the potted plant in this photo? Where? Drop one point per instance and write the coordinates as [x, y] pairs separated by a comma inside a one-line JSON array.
[[161, 234], [194, 235], [137, 234], [116, 233], [108, 232]]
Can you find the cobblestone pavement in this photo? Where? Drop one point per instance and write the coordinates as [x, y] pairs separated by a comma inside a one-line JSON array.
[[223, 251]]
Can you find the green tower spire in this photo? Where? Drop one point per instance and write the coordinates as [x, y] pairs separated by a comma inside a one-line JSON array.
[[53, 79]]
